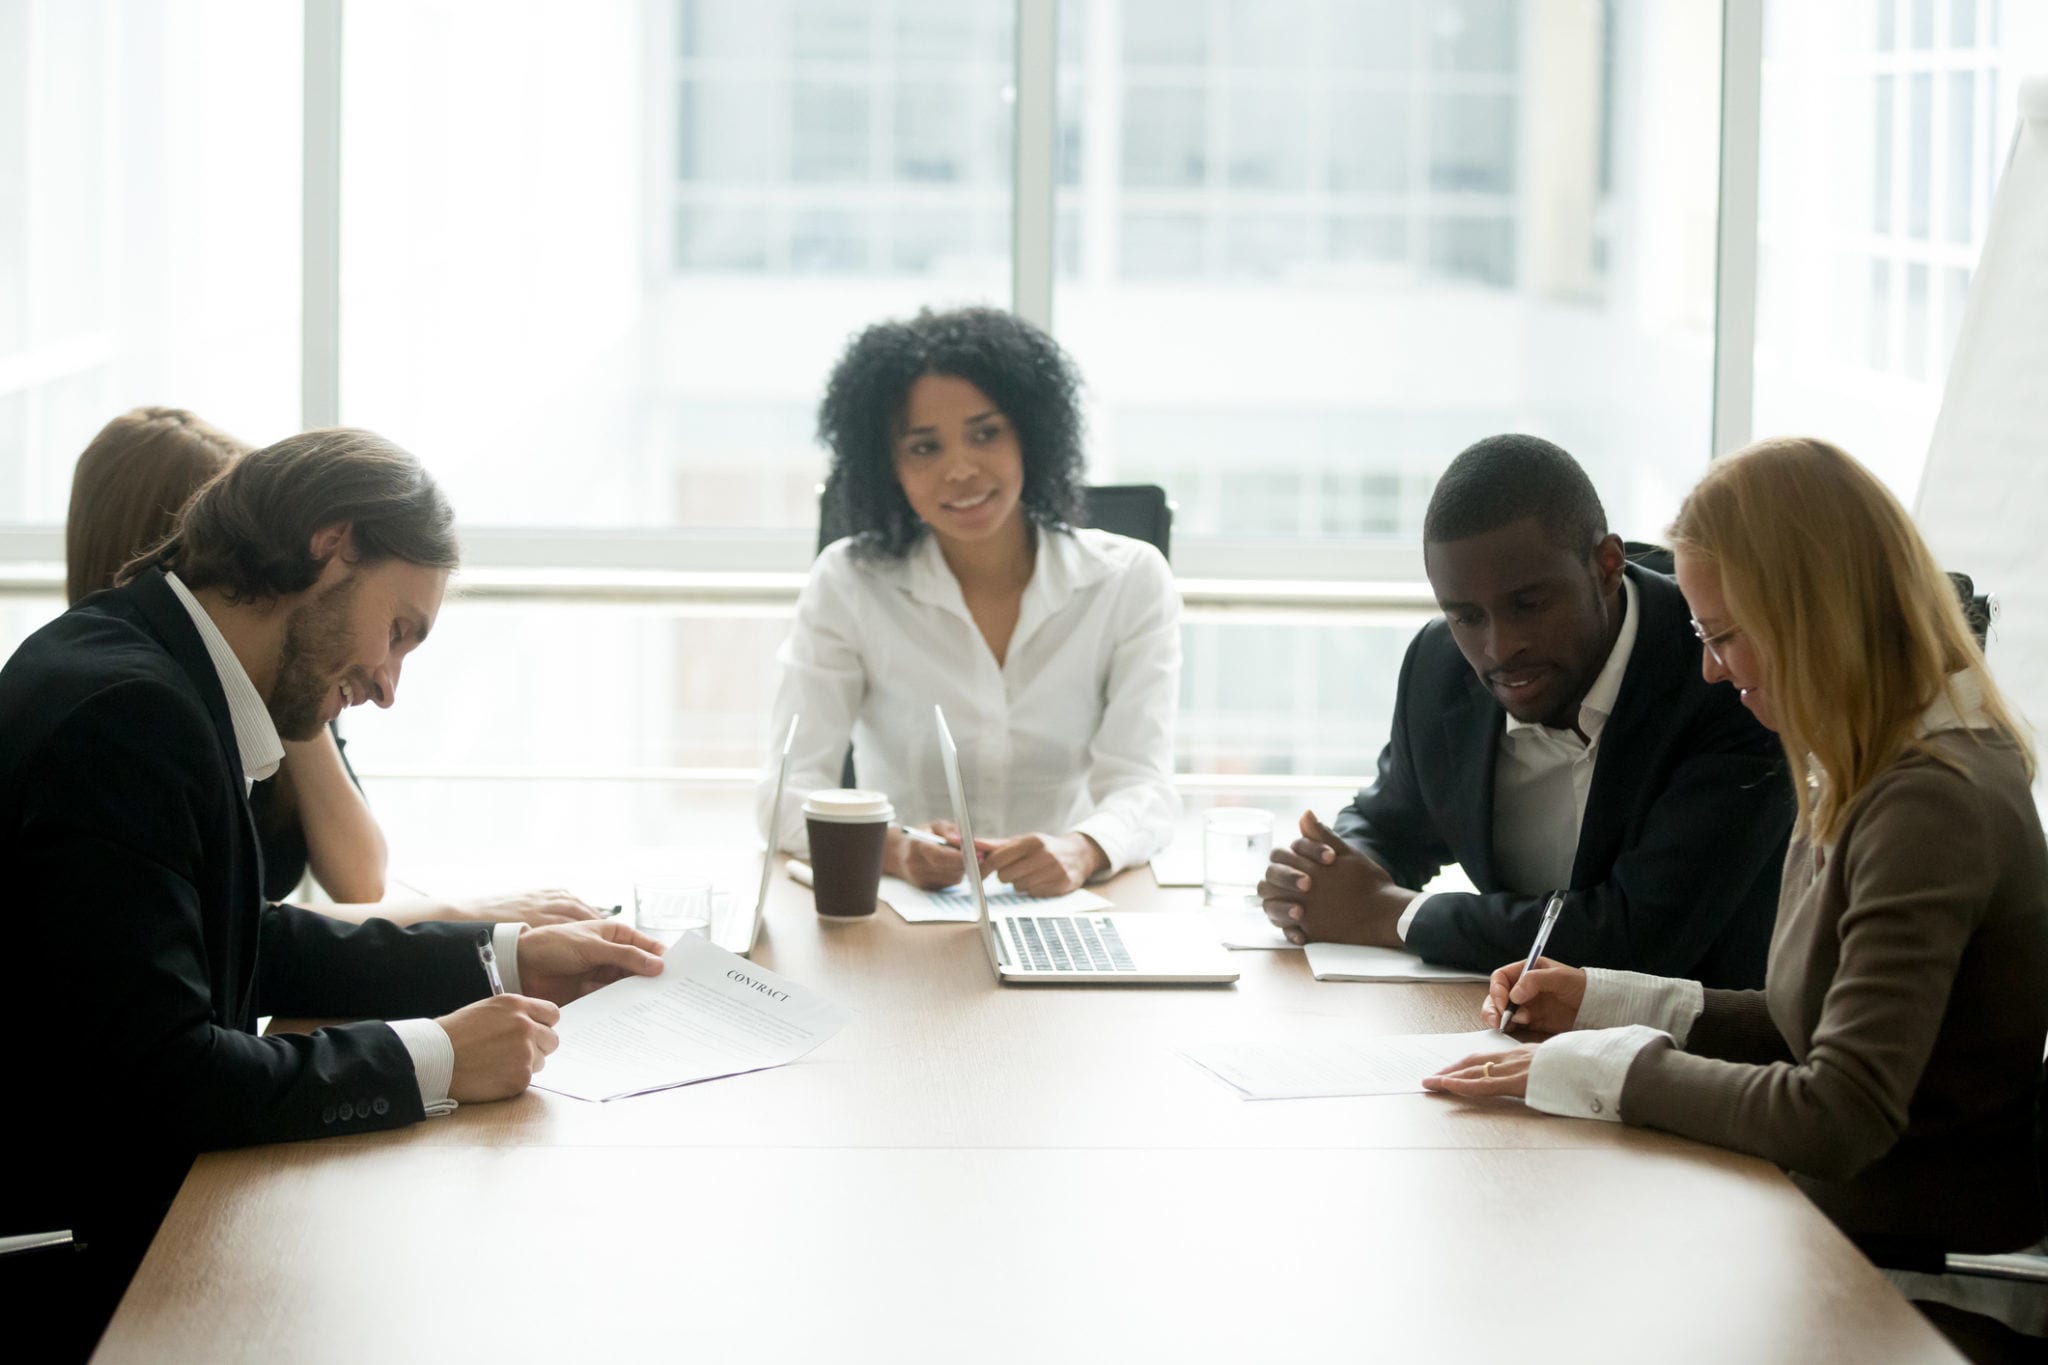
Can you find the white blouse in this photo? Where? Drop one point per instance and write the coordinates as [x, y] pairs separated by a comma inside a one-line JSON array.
[[1072, 733]]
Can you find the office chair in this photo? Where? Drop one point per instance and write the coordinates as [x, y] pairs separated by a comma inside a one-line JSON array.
[[1655, 558], [1978, 608], [1141, 511]]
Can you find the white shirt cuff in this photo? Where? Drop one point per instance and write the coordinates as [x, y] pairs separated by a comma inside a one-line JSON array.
[[433, 1061], [505, 943], [1580, 1074], [1114, 836], [1408, 915], [1614, 998]]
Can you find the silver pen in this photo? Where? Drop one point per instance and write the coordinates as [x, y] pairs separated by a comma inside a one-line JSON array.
[[489, 957], [1536, 949]]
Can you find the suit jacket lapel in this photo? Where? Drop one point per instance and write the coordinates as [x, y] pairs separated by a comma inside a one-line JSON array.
[[232, 944], [1472, 729], [1629, 740], [167, 619]]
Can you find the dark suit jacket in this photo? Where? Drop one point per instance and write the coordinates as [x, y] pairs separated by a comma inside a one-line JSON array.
[[141, 950], [1685, 829], [279, 832]]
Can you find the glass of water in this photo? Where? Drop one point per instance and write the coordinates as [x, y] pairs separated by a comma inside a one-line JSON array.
[[670, 906], [1237, 842]]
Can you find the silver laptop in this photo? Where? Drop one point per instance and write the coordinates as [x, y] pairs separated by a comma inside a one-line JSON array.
[[1090, 949], [741, 930]]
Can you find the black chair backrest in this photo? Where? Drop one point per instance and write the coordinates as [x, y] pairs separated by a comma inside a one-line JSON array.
[[1138, 510], [1654, 557], [1977, 608]]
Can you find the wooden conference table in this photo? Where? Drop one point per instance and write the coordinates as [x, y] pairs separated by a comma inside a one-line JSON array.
[[972, 1172]]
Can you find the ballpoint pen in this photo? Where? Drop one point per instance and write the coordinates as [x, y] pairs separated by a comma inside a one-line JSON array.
[[486, 955], [924, 836], [1536, 949]]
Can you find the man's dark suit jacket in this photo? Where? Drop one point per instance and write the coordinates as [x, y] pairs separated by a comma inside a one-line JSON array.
[[1686, 819], [141, 951]]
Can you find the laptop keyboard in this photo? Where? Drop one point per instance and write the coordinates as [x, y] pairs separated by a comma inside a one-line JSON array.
[[1069, 943]]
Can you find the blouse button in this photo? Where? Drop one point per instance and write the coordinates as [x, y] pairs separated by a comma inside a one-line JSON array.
[[1597, 1106]]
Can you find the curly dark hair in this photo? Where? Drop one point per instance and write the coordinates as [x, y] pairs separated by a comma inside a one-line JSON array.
[[1023, 370]]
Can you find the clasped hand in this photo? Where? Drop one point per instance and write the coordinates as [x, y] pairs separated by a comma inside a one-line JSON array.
[[502, 1040], [1322, 890], [1546, 1000]]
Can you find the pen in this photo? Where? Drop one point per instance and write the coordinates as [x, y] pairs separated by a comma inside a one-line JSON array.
[[489, 958], [1536, 949], [923, 836]]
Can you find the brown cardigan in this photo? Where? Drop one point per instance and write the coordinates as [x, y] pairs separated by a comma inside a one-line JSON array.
[[1892, 1062]]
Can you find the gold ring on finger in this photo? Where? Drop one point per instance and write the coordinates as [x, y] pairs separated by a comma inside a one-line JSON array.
[[1487, 1071]]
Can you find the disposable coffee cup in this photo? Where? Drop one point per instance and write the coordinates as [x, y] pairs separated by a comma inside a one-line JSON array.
[[848, 830]]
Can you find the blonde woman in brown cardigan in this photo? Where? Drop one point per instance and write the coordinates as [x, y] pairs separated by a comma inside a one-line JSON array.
[[1892, 1062]]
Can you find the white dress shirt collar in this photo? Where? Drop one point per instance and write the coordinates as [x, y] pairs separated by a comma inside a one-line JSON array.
[[1598, 703], [1064, 566], [1961, 707], [256, 738]]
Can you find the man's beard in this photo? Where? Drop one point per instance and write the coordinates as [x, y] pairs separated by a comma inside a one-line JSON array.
[[316, 642]]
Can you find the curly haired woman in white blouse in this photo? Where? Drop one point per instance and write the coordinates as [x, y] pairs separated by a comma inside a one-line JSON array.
[[1054, 649]]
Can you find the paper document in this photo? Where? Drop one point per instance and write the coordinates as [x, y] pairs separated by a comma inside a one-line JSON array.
[[710, 1013], [1308, 1069], [1354, 962], [1179, 865], [1251, 929], [955, 904]]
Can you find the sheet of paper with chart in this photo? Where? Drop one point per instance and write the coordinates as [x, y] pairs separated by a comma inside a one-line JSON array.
[[1299, 1069], [710, 1013], [955, 905]]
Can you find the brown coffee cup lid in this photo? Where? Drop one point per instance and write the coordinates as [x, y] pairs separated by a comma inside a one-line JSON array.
[[849, 806]]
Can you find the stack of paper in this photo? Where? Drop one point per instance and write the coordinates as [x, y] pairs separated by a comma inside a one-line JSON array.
[[1393, 1065], [710, 1013], [1249, 928], [1354, 962], [1178, 865]]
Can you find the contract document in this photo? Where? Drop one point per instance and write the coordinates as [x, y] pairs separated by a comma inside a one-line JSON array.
[[710, 1013], [1357, 962], [1309, 1069], [955, 904]]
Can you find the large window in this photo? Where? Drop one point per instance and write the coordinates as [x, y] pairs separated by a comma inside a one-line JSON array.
[[1885, 126], [149, 225], [1315, 248], [598, 259]]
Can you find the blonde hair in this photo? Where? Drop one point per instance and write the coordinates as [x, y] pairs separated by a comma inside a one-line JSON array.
[[1857, 628], [129, 487]]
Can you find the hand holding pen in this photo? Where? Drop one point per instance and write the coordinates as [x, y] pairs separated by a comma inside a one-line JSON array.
[[1537, 993], [928, 858]]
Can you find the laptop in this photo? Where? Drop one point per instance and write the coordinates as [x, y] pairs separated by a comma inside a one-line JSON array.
[[1085, 949], [741, 930]]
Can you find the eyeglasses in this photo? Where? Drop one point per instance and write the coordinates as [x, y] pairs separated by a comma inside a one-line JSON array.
[[1714, 642]]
